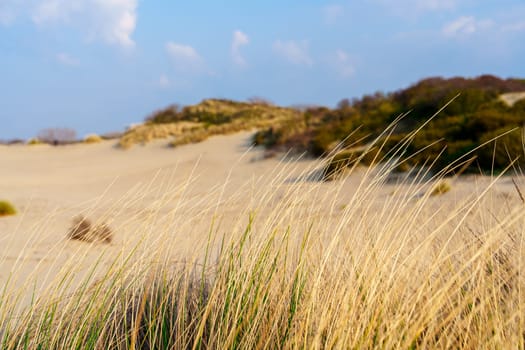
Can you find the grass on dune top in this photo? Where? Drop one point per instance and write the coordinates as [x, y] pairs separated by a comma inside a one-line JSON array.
[[210, 117]]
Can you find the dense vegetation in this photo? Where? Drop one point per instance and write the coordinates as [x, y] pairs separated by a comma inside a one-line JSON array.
[[476, 115]]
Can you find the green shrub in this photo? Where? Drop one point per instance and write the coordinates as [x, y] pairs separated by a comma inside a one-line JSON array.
[[6, 208]]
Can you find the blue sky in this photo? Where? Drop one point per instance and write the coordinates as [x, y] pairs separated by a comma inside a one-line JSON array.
[[99, 65]]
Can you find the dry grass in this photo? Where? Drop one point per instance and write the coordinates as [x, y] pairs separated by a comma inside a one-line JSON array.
[[441, 187], [145, 133], [296, 269], [92, 138], [208, 118], [34, 141]]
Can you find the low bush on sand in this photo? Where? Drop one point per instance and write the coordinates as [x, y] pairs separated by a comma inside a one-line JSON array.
[[93, 138], [6, 208], [441, 187], [34, 141], [83, 230]]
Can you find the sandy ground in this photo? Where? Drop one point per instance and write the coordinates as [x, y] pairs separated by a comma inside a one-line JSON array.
[[127, 189]]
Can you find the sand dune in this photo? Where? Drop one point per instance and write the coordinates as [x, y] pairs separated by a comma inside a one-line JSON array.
[[51, 185]]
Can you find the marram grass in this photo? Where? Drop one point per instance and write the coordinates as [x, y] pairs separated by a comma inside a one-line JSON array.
[[296, 271]]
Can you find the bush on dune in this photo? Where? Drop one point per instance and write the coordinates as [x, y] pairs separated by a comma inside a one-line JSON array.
[[34, 141], [6, 208], [83, 230], [441, 187], [92, 138]]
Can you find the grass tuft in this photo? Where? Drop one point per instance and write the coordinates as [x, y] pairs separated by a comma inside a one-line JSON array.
[[92, 138], [83, 230], [34, 141], [440, 188], [6, 208]]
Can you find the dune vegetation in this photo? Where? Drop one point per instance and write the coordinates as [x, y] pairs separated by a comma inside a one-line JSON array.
[[313, 267], [479, 117], [92, 138], [475, 114], [210, 117], [6, 208]]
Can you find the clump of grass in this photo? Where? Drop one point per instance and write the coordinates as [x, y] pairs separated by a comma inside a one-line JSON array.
[[34, 141], [144, 133], [189, 137], [92, 138], [440, 188], [342, 162], [83, 230], [6, 208]]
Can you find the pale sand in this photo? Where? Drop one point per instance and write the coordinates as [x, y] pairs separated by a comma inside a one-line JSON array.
[[50, 185]]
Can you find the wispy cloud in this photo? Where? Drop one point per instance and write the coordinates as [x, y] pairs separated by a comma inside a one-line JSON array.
[[184, 57], [465, 26], [332, 13], [112, 21], [295, 52], [239, 39], [67, 60]]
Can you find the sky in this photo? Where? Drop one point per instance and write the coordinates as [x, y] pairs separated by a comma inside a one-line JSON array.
[[100, 65]]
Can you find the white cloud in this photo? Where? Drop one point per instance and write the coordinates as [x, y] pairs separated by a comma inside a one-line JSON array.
[[184, 56], [332, 13], [293, 51], [67, 59], [164, 81], [343, 63], [410, 8], [239, 39], [112, 21], [464, 26]]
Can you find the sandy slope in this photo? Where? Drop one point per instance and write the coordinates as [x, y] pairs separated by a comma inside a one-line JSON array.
[[512, 98], [50, 185]]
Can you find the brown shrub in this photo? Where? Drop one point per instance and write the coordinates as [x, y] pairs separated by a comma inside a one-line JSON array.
[[83, 230]]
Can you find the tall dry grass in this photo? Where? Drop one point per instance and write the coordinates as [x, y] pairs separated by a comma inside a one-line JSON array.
[[293, 268]]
